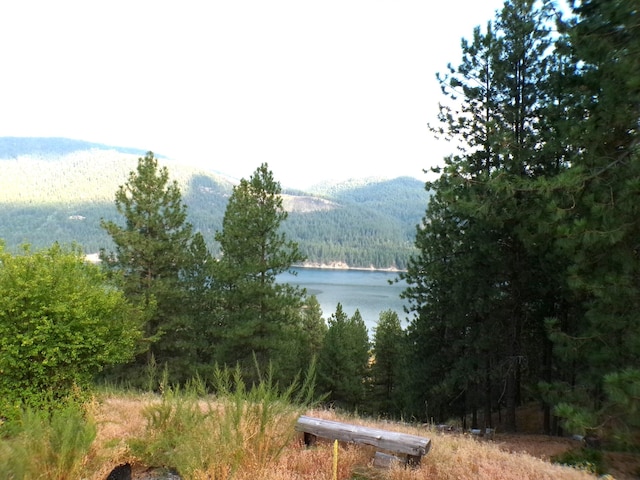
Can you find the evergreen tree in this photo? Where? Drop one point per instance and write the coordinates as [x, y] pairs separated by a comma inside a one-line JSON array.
[[388, 364], [598, 220], [479, 271], [257, 313], [193, 346], [344, 359], [153, 256], [536, 219], [314, 327], [302, 341]]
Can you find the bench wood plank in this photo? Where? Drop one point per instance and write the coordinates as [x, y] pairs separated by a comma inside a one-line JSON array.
[[412, 445]]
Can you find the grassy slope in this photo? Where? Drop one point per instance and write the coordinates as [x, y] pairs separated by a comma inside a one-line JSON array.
[[451, 456]]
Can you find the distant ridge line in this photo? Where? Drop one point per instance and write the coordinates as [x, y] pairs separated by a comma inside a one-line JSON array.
[[12, 147]]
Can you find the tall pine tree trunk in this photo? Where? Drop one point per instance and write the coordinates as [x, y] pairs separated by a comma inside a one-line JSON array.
[[510, 414], [488, 423]]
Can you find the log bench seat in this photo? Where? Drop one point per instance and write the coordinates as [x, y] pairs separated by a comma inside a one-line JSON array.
[[412, 446]]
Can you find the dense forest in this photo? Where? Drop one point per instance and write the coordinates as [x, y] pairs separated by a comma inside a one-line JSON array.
[[59, 189], [526, 287]]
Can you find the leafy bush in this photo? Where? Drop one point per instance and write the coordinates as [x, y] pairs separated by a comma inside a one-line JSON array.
[[587, 459], [60, 324]]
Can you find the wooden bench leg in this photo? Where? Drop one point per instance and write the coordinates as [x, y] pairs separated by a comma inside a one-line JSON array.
[[384, 460], [309, 439], [414, 460]]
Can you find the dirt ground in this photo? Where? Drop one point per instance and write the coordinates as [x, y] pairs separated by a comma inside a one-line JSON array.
[[620, 465]]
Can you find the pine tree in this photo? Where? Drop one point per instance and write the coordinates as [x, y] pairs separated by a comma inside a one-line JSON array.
[[302, 342], [152, 254], [483, 270], [193, 346], [313, 326], [599, 223], [257, 313], [388, 364], [344, 359]]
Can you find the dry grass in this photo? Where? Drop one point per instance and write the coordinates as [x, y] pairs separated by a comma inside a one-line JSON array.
[[119, 419], [452, 456], [455, 456]]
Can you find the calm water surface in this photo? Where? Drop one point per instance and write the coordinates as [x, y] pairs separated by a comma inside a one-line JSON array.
[[367, 291]]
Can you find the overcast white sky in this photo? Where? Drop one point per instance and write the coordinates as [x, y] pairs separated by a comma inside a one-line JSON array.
[[328, 89]]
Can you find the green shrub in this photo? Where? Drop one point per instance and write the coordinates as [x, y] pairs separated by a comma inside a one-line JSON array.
[[45, 444], [587, 459], [61, 322]]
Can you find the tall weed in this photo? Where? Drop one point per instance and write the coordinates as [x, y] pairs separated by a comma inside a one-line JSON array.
[[242, 427], [40, 444]]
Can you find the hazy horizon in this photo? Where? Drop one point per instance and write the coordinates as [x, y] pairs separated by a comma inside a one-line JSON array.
[[331, 90]]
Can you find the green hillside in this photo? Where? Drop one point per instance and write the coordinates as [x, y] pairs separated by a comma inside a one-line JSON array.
[[59, 189]]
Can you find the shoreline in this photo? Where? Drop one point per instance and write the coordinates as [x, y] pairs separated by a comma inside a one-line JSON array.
[[344, 266], [94, 258]]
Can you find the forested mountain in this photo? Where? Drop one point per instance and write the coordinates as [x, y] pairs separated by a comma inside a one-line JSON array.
[[56, 189]]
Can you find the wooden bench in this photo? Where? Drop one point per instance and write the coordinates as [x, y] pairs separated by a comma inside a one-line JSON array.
[[413, 446]]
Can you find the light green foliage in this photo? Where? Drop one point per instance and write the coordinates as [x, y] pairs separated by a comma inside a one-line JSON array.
[[38, 444], [61, 322], [258, 314], [343, 363]]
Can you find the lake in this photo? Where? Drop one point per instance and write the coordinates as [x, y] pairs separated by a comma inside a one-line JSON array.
[[365, 290]]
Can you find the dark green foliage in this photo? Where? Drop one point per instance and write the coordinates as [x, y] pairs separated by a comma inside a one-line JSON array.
[[61, 323], [408, 195], [584, 458], [39, 224], [302, 341], [161, 263], [192, 346], [598, 221], [372, 224], [257, 314], [389, 365], [356, 237], [475, 275], [343, 362], [525, 286], [314, 327]]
